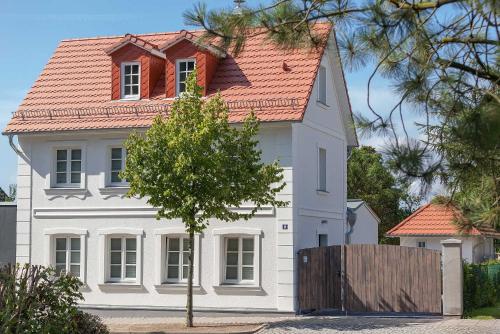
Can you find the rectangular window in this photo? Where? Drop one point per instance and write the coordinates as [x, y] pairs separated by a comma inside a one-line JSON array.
[[68, 167], [130, 80], [67, 255], [117, 164], [177, 259], [421, 244], [322, 240], [321, 169], [239, 260], [123, 259], [322, 85], [184, 68]]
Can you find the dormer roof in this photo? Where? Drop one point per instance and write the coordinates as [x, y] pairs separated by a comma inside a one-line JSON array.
[[185, 35], [137, 41]]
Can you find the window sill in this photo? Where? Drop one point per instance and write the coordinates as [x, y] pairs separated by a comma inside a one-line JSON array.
[[177, 287], [322, 192], [66, 192], [121, 286], [322, 105], [237, 288], [110, 191]]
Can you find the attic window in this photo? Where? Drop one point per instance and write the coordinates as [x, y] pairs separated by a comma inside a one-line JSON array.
[[184, 68], [130, 80]]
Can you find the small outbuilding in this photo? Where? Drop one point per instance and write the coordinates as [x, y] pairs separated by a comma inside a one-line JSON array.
[[8, 212], [365, 228], [432, 223]]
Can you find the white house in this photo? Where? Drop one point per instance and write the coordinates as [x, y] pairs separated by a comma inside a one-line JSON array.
[[72, 209], [432, 223], [365, 228]]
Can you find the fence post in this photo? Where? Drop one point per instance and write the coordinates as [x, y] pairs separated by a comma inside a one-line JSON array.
[[453, 280]]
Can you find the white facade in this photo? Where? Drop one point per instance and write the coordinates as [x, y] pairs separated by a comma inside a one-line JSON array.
[[365, 230], [475, 249], [101, 227]]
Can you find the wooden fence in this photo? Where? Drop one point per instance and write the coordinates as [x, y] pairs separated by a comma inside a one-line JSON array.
[[320, 278], [377, 278]]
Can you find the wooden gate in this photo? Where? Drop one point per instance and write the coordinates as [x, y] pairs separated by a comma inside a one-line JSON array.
[[377, 278], [320, 278]]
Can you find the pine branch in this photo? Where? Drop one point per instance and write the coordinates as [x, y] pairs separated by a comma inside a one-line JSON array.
[[487, 75]]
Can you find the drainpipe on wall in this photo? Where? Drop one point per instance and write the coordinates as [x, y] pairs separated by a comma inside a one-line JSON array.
[[350, 221], [14, 147]]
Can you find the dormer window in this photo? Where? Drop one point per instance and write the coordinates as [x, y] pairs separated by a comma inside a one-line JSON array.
[[184, 67], [131, 80]]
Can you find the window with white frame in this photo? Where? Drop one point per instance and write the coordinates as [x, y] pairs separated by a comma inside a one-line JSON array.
[[130, 81], [122, 259], [184, 68], [68, 255], [68, 167], [421, 244], [239, 260], [177, 259], [322, 85], [117, 164], [321, 169]]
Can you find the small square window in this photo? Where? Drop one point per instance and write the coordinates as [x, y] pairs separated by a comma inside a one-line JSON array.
[[421, 244]]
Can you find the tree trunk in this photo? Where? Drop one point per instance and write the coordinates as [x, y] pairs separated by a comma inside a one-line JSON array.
[[189, 304]]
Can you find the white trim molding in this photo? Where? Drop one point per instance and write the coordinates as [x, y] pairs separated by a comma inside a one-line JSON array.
[[318, 213], [219, 234], [161, 251], [104, 261], [132, 212], [49, 246]]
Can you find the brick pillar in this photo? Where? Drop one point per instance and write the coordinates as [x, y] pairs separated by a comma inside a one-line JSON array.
[[453, 280]]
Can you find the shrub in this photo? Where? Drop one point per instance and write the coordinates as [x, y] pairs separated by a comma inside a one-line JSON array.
[[480, 288], [33, 299], [87, 323]]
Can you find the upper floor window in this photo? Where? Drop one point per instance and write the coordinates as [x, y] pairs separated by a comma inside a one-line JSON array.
[[321, 169], [130, 80], [184, 68], [322, 85], [322, 240], [117, 164], [421, 244], [68, 167]]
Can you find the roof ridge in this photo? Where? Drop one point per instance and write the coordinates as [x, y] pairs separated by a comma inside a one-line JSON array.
[[120, 36]]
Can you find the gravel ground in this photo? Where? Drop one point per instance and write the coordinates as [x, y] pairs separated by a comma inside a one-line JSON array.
[[372, 325]]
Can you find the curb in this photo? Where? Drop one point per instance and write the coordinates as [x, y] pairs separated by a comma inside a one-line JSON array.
[[250, 331]]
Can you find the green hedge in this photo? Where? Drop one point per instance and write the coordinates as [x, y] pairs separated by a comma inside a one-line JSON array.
[[481, 285]]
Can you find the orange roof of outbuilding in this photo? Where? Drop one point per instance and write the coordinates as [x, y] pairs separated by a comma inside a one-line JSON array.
[[73, 92], [436, 220]]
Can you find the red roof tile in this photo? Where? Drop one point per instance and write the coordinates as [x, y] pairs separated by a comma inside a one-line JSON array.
[[435, 219], [77, 78]]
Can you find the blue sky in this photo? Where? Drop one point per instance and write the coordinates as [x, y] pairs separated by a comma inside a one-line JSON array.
[[30, 31]]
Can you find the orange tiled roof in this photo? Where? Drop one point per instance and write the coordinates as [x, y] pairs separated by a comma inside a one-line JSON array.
[[434, 219], [73, 92]]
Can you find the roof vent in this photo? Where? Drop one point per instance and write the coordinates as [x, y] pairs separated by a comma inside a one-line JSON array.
[[238, 6]]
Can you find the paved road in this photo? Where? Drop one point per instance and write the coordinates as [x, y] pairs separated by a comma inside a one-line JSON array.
[[361, 325]]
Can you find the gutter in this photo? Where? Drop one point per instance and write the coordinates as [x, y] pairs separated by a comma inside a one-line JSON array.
[[14, 146]]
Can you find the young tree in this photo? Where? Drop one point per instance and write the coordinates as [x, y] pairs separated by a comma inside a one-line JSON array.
[[370, 179], [194, 165], [440, 56]]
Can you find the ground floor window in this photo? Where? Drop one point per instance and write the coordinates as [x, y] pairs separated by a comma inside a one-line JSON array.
[[239, 259], [123, 259], [322, 240], [421, 244], [177, 259], [68, 255]]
